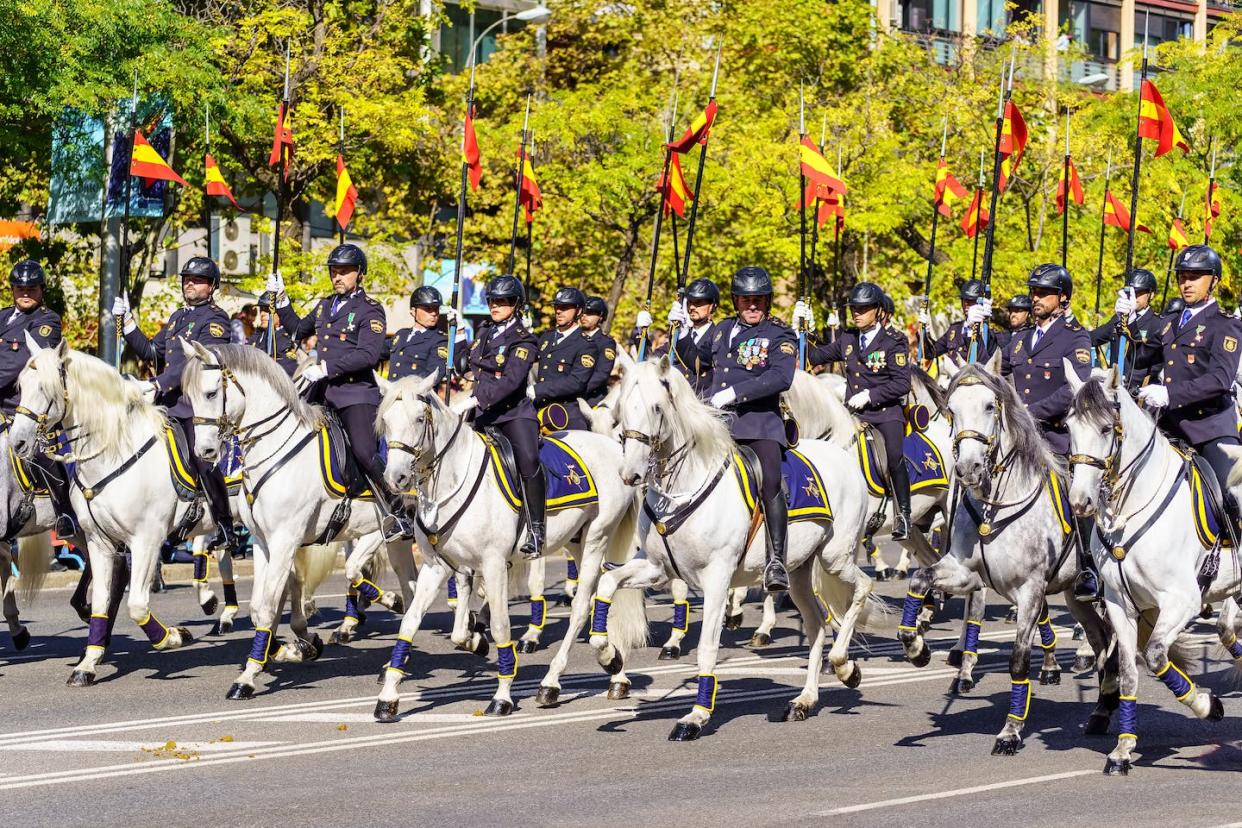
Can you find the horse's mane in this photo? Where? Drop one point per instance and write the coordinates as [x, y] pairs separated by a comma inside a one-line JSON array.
[[1031, 454], [690, 416], [97, 392], [819, 412], [929, 386], [246, 359], [1092, 404]]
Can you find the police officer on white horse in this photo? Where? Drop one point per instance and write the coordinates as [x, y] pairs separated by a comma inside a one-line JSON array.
[[349, 329], [200, 320], [750, 361], [977, 305], [695, 328], [567, 358], [1142, 327]]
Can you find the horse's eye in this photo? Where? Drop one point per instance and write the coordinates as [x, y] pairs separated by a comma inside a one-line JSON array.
[[1104, 430], [990, 407], [211, 395]]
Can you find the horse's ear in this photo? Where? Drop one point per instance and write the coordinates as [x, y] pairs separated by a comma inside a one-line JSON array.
[[32, 344], [994, 364], [1114, 378], [427, 384], [187, 348], [1071, 375], [624, 361], [62, 349], [665, 365], [383, 384]]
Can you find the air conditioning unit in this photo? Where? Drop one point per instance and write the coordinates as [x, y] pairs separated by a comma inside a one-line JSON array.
[[234, 241]]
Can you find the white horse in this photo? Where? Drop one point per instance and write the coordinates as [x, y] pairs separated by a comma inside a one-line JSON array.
[[1147, 548], [1007, 534], [704, 532], [435, 451]]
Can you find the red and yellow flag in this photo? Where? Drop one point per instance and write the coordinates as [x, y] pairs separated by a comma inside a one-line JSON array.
[[815, 167], [948, 190], [470, 151], [1012, 143], [832, 205], [1074, 187], [1156, 124], [1213, 210], [698, 131], [676, 193], [1116, 214], [528, 188], [146, 163], [215, 185], [976, 217], [281, 139], [346, 194], [1177, 235]]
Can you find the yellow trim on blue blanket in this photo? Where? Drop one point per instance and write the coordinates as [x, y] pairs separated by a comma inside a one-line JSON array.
[[874, 486], [1058, 504], [178, 463], [335, 488]]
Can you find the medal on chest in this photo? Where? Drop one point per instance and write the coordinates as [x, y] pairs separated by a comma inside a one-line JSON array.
[[876, 361], [752, 353], [1198, 340]]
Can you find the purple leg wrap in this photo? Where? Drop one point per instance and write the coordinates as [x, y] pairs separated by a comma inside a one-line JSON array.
[[200, 566], [400, 652], [1127, 717], [538, 612], [452, 589], [1019, 699], [972, 637], [506, 660], [368, 590], [1179, 683], [910, 611], [571, 569], [706, 697], [599, 617], [259, 647], [1047, 635], [681, 616], [97, 635], [156, 632], [351, 607], [1235, 649]]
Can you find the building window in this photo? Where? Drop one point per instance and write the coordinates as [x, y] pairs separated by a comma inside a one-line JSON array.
[[1097, 27], [1161, 28], [462, 28], [930, 16]]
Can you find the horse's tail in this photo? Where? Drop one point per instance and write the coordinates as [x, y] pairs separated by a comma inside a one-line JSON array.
[[627, 618], [34, 559], [313, 565], [837, 595]]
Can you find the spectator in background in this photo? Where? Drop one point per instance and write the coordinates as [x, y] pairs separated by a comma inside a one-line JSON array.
[[242, 324]]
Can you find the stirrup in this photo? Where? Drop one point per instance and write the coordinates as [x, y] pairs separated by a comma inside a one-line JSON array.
[[901, 526], [775, 576], [66, 526], [396, 527], [532, 548], [1086, 586]]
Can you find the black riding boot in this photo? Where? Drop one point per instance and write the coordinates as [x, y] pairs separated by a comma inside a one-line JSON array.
[[900, 480], [776, 521], [534, 501], [217, 494], [1087, 582], [57, 481]]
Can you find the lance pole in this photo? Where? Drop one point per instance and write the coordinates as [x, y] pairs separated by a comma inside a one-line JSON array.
[[456, 300], [974, 260], [517, 186], [801, 230], [1065, 197], [684, 273], [1207, 217], [123, 265], [990, 240]]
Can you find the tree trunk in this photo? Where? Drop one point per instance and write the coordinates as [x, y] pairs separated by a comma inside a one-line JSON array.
[[625, 264]]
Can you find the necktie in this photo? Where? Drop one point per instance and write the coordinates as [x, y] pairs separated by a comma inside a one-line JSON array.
[[1039, 334], [1186, 314]]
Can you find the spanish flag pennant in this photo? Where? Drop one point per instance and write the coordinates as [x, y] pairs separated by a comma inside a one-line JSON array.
[[282, 139], [833, 204], [1213, 210], [1177, 235], [528, 190], [676, 192], [1012, 143], [470, 151], [1116, 214], [948, 190], [146, 163], [346, 194], [1156, 124], [698, 131], [1074, 187], [215, 185], [976, 217], [816, 168]]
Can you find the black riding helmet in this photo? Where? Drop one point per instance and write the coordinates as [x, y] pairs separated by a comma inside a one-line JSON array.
[[887, 305], [1141, 279], [1019, 303], [569, 296], [1198, 258], [703, 290], [425, 297], [202, 267], [597, 306], [1052, 277], [27, 273], [865, 294], [506, 286], [752, 281], [1176, 305], [972, 290], [348, 255]]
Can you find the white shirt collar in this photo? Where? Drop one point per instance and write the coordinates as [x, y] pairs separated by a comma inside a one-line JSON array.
[[1196, 310], [561, 335], [503, 326]]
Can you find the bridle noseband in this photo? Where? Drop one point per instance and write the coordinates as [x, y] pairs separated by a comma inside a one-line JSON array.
[[991, 442], [226, 426]]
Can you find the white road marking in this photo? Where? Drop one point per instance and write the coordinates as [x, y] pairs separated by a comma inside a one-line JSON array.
[[994, 786], [109, 746]]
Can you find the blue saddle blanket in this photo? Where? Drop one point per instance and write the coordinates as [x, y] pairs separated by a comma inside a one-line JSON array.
[[570, 484], [807, 497], [925, 462]]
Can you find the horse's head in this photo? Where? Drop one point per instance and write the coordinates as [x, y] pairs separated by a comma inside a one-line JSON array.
[[44, 396], [645, 407], [218, 400], [407, 420], [978, 421], [1095, 431]]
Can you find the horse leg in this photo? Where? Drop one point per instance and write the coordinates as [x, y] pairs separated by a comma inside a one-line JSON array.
[[529, 642], [1096, 636], [432, 576], [1226, 629], [571, 576], [847, 572], [733, 612], [355, 617], [104, 561], [468, 630], [1050, 670], [401, 559], [1030, 602], [19, 634], [762, 636], [80, 599], [207, 599], [715, 584], [972, 625], [357, 569], [671, 651], [903, 563], [265, 613], [145, 557], [496, 584], [1125, 631], [948, 574], [1172, 620], [878, 566], [802, 592], [550, 687], [638, 573], [955, 654], [224, 560], [304, 647]]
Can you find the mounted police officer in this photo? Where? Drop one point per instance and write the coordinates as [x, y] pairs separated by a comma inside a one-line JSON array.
[[1142, 330], [1175, 307], [752, 358], [501, 358], [28, 316], [1019, 308], [349, 327], [692, 317], [421, 350], [877, 374], [264, 332], [977, 305], [593, 315], [567, 359], [199, 320], [1035, 358], [1199, 352]]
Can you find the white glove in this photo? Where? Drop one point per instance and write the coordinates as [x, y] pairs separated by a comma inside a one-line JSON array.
[[677, 315], [979, 312], [803, 316], [528, 321], [314, 373], [834, 321], [276, 288], [722, 398], [859, 401], [464, 404], [643, 320], [120, 307], [1126, 305], [148, 390], [1154, 396], [924, 317]]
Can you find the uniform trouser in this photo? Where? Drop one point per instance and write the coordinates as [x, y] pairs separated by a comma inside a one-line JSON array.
[[894, 434], [359, 424], [56, 477], [770, 453], [211, 478], [523, 435]]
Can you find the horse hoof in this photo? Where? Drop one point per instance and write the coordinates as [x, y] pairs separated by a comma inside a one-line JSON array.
[[733, 623], [1079, 632], [618, 690], [882, 575], [223, 627], [210, 606], [1012, 616], [499, 707], [386, 711], [1116, 767], [902, 575], [923, 658], [81, 678], [760, 640], [549, 696], [685, 732], [955, 658], [795, 713], [854, 678], [961, 686], [21, 639], [1206, 612], [614, 666], [1097, 724], [239, 692], [1007, 746], [311, 649], [1049, 677], [186, 636], [527, 647], [670, 654], [341, 637], [1083, 663], [481, 649], [1216, 711], [476, 624]]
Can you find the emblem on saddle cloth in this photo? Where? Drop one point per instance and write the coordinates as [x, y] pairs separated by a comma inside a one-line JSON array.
[[753, 352]]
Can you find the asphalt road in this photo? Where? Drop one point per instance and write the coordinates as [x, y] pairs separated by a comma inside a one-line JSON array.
[[156, 741]]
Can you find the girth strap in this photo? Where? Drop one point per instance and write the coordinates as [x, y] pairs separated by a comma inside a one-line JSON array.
[[1120, 550]]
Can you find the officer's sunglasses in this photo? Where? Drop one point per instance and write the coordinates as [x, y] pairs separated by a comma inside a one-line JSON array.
[[502, 302]]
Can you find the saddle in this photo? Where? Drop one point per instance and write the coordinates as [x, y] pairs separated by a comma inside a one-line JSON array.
[[1207, 501], [869, 443], [181, 463], [569, 481], [342, 476]]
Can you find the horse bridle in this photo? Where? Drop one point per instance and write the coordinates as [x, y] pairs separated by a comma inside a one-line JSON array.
[[991, 442], [419, 450], [41, 420], [226, 426], [1112, 474]]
